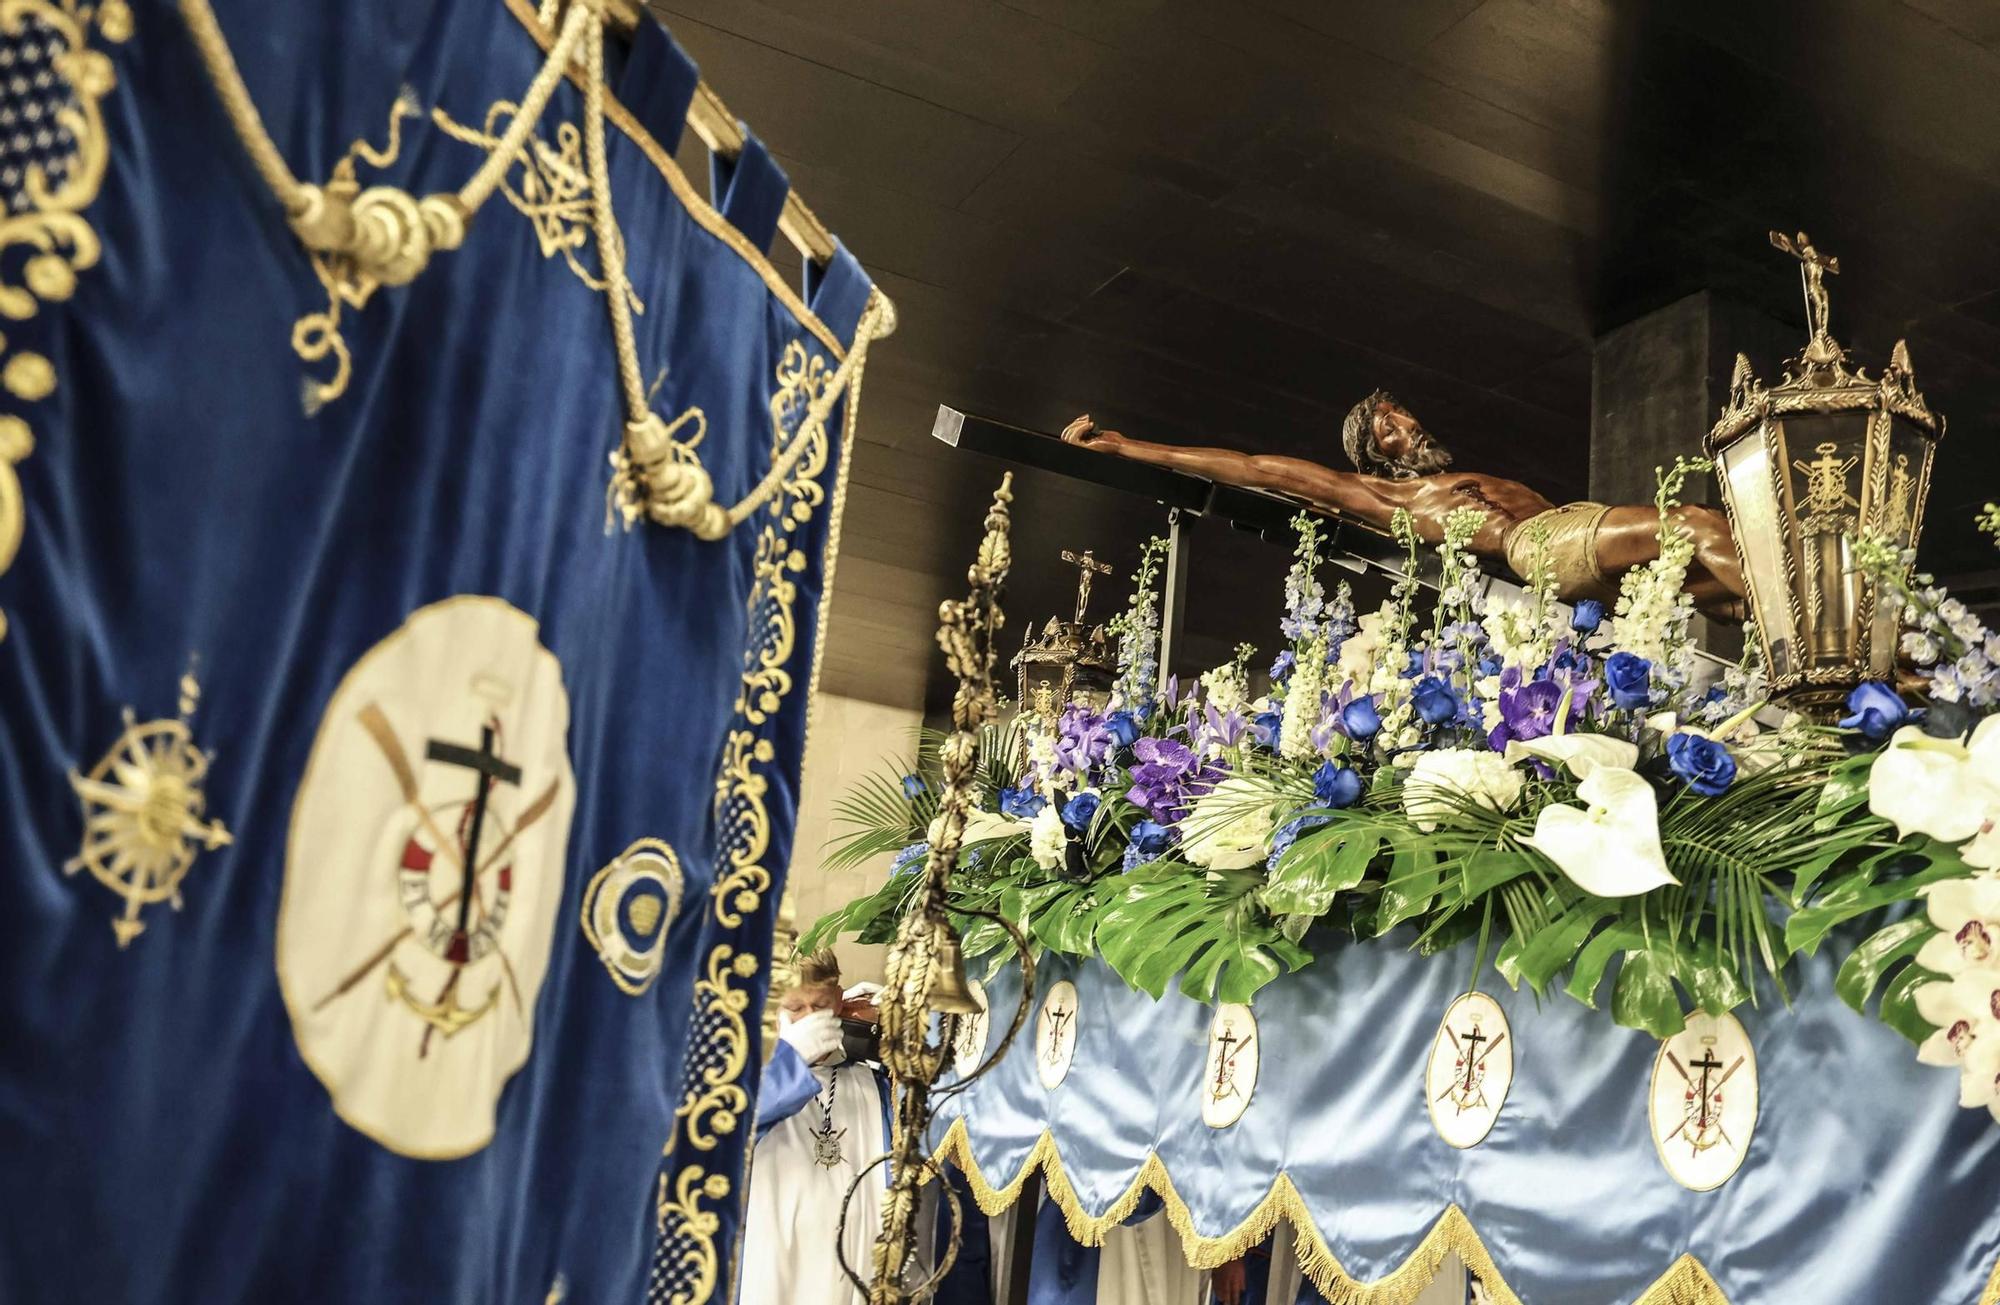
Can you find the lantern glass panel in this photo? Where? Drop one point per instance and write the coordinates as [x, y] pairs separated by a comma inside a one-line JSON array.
[[1744, 468], [1822, 459], [1895, 511]]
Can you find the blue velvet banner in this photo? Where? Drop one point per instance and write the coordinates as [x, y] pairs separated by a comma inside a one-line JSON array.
[[348, 965], [1864, 1180]]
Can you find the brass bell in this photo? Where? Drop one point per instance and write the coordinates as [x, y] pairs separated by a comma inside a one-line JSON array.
[[950, 991]]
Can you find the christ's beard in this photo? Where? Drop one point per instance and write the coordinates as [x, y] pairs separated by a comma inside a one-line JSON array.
[[1427, 458]]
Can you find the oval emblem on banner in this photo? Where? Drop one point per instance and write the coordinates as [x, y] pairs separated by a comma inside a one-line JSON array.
[[628, 906], [1471, 1068], [1055, 1033], [424, 872], [968, 1039], [1231, 1074], [1704, 1101]]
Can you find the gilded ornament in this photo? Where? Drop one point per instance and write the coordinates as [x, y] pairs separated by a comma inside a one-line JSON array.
[[51, 224], [29, 377], [142, 814], [628, 907]]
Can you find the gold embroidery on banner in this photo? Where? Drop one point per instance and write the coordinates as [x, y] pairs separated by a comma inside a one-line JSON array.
[[633, 967], [50, 219], [774, 630], [142, 814], [697, 1265], [316, 336], [1686, 1282], [802, 377], [713, 1107], [552, 190]]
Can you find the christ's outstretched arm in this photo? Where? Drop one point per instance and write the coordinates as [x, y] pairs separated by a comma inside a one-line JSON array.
[[1371, 500]]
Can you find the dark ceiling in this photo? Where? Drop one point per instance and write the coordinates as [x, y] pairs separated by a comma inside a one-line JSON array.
[[1225, 222]]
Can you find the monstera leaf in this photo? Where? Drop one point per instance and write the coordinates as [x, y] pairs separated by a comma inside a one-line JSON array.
[[1207, 927]]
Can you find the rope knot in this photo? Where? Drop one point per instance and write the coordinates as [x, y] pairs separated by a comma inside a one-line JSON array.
[[658, 477]]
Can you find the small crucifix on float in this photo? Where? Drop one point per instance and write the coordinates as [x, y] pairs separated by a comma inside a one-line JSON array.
[[1088, 568]]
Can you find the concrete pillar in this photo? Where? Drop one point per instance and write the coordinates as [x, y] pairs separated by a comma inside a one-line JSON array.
[[1656, 386]]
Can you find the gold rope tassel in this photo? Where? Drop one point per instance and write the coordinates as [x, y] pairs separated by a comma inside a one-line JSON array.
[[1686, 1282]]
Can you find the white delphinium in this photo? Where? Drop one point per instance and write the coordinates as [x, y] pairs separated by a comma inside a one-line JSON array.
[[1651, 619], [1302, 699]]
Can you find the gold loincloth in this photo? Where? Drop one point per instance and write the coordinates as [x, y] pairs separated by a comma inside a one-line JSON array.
[[1569, 534]]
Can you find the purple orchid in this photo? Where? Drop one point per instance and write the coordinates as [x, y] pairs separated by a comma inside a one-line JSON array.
[[1528, 711], [1082, 739], [1166, 778]]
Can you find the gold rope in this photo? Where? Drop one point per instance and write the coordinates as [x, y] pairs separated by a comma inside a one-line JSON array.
[[1686, 1282], [389, 233]]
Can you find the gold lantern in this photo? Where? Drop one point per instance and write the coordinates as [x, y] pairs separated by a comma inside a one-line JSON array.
[[1806, 466], [1070, 661]]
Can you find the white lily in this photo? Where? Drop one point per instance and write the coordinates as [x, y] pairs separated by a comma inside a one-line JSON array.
[[1940, 787], [1611, 849], [1580, 753]]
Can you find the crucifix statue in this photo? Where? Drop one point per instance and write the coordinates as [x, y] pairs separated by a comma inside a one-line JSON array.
[[1814, 267], [1586, 547], [1088, 567]]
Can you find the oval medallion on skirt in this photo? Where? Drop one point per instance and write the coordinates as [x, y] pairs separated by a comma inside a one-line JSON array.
[[1470, 1069], [1704, 1101], [1055, 1033], [424, 872], [628, 906], [1230, 1076]]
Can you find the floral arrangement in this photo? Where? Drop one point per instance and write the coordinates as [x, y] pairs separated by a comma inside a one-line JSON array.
[[1558, 783]]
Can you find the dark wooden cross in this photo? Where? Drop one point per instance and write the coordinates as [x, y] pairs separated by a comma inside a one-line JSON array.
[[1224, 1059], [490, 769]]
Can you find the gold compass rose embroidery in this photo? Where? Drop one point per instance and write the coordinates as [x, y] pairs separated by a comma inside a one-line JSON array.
[[142, 814]]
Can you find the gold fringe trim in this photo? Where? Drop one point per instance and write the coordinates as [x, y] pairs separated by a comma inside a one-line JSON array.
[[1991, 1296], [1685, 1283]]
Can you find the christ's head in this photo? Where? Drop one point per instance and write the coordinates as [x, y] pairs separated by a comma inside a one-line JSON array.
[[818, 989], [1382, 438]]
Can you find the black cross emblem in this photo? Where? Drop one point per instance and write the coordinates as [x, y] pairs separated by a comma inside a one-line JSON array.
[[1471, 1053], [486, 763], [1708, 1064]]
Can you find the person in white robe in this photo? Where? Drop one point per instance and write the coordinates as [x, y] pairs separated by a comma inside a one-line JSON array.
[[820, 1120]]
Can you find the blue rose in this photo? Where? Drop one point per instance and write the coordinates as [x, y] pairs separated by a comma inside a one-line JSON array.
[[1434, 700], [1629, 677], [1360, 719], [1281, 669], [913, 785], [1586, 616], [1269, 724], [1416, 666], [1875, 709], [1335, 785], [1151, 838], [1489, 665], [1123, 727], [1705, 764], [1021, 803], [1079, 810]]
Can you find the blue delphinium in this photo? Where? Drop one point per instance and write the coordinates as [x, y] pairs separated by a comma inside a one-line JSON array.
[[908, 857]]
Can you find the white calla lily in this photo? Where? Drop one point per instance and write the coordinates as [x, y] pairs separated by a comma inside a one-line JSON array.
[[1612, 848], [1580, 753], [1943, 788]]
